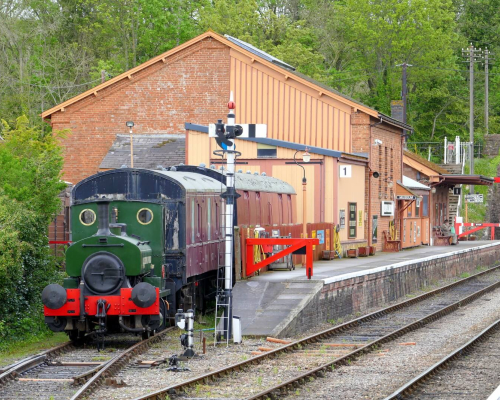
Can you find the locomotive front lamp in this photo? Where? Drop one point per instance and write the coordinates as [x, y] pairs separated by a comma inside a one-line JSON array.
[[306, 157], [130, 125]]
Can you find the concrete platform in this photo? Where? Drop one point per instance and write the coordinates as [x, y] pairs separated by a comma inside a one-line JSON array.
[[281, 303]]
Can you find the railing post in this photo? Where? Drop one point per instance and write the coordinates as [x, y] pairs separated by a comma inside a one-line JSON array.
[[445, 149]]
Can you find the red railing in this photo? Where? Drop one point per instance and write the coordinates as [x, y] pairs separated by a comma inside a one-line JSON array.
[[476, 227], [294, 244]]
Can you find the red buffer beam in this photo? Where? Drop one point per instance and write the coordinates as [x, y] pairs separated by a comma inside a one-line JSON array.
[[294, 244]]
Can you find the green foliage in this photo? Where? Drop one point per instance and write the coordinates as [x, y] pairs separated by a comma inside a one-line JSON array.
[[56, 49], [30, 162]]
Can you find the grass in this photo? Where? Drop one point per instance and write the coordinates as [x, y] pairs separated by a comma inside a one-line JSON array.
[[464, 275], [28, 347]]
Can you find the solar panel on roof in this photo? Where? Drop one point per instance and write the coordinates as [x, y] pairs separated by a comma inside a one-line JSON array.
[[260, 53]]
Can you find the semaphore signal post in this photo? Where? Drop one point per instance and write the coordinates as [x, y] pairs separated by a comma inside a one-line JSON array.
[[225, 135]]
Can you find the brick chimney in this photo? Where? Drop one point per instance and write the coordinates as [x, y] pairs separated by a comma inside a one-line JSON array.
[[397, 110]]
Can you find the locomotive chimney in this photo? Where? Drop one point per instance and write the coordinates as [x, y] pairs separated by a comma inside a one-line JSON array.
[[103, 218]]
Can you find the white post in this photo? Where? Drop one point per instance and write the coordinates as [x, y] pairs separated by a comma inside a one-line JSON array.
[[445, 149], [230, 200], [457, 149]]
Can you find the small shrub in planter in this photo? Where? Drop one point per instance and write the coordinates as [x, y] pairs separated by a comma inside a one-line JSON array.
[[363, 251], [352, 253]]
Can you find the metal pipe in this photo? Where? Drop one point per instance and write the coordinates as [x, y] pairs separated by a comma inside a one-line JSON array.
[[103, 218], [125, 327]]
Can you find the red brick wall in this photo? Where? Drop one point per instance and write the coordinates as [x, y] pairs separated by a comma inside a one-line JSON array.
[[384, 159], [191, 86]]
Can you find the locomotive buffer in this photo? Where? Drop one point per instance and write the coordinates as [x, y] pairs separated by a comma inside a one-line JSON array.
[[225, 135]]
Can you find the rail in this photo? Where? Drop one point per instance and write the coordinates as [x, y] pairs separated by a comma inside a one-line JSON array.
[[462, 351], [115, 364], [13, 370], [215, 375]]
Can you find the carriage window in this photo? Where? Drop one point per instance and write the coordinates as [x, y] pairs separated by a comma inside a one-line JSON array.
[[144, 216], [87, 217], [209, 218], [192, 220], [217, 217], [199, 220]]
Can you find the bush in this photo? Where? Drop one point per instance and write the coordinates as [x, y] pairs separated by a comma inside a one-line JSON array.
[[31, 163]]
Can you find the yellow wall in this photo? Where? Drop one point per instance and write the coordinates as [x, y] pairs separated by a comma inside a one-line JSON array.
[[352, 190], [198, 148], [289, 173], [330, 216], [293, 111]]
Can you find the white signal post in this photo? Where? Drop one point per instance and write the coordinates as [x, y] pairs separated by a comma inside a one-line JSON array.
[[230, 200], [225, 135]]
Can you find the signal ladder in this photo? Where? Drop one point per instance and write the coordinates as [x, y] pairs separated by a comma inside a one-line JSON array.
[[221, 301]]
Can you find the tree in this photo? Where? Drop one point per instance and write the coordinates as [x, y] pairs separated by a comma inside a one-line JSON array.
[[31, 162]]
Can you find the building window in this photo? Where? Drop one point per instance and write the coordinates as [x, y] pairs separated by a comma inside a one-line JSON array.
[[425, 206], [352, 220], [266, 151], [417, 207]]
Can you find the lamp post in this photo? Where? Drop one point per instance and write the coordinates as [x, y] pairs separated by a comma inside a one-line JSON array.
[[130, 125], [306, 157]]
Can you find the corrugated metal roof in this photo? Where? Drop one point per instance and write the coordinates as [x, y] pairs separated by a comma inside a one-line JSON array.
[[149, 151], [193, 182], [423, 161], [413, 184], [259, 52]]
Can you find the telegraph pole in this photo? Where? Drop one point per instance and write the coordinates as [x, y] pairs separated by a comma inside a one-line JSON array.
[[471, 55], [487, 59], [404, 93]]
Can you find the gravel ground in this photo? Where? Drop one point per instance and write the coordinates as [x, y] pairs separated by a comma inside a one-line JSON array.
[[473, 376], [375, 377], [271, 372], [140, 381], [62, 390]]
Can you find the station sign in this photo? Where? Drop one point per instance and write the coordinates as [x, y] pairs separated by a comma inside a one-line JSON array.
[[474, 198], [406, 197], [387, 208]]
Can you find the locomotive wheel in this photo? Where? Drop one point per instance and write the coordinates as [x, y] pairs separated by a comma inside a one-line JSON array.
[[146, 335], [163, 312], [76, 336]]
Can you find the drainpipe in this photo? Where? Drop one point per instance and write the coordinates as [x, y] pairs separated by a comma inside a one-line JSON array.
[[370, 183]]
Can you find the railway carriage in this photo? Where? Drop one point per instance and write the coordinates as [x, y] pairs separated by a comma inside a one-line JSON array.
[[148, 242]]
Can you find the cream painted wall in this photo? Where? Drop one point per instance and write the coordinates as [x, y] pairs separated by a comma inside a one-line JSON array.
[[352, 190], [292, 175], [198, 144]]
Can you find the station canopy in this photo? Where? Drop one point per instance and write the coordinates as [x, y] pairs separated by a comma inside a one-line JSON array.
[[462, 179]]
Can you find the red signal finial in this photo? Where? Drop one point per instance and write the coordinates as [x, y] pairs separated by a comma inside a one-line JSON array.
[[231, 105]]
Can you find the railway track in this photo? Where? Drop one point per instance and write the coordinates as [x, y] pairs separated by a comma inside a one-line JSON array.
[[471, 371], [331, 348], [69, 372]]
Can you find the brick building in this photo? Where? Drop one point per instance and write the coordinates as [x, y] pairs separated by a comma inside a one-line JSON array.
[[192, 82]]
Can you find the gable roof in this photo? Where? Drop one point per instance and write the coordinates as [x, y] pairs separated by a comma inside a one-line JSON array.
[[251, 53], [149, 151], [429, 164]]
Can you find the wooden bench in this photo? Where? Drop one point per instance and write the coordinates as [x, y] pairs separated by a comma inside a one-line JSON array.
[[441, 239], [389, 244]]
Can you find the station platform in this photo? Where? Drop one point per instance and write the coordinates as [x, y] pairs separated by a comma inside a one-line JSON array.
[[286, 303]]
